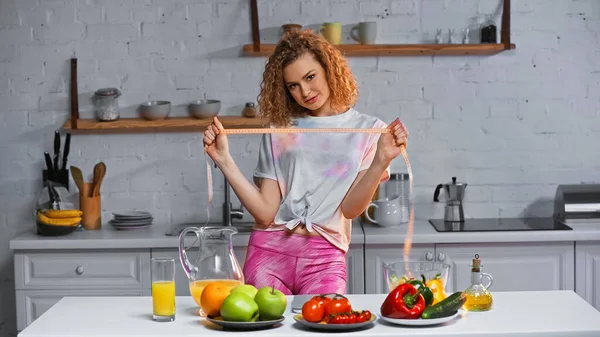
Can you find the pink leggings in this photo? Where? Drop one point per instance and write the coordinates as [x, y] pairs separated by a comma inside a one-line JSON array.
[[294, 264]]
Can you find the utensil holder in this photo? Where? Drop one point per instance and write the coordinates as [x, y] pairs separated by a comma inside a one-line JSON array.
[[61, 177], [91, 207]]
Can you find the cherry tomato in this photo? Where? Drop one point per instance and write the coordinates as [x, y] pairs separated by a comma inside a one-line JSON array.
[[351, 318], [367, 314], [361, 317], [313, 311], [337, 305], [338, 319]]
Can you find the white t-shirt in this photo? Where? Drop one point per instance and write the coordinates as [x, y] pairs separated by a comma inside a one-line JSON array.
[[316, 170]]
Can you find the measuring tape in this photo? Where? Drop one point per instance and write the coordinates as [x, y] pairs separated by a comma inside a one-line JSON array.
[[305, 130]]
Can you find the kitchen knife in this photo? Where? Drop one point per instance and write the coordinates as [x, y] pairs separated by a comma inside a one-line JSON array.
[[56, 150], [50, 173], [66, 151]]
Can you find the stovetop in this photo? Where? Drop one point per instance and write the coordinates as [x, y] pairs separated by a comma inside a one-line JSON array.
[[497, 225]]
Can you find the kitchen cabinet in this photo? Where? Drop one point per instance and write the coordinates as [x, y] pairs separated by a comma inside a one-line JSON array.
[[587, 271], [31, 304], [514, 266], [43, 277]]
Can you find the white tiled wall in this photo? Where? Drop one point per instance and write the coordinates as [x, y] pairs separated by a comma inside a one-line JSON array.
[[511, 125]]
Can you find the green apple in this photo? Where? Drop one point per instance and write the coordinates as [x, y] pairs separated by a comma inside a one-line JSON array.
[[271, 303], [247, 289], [239, 307]]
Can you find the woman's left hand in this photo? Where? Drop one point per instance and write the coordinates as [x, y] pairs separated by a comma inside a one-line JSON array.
[[389, 144]]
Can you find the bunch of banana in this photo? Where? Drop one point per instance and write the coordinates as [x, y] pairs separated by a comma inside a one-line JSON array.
[[60, 217]]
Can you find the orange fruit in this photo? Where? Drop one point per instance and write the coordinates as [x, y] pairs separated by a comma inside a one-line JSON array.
[[212, 298]]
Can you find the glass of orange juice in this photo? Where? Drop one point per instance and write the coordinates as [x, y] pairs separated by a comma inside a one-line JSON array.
[[163, 289]]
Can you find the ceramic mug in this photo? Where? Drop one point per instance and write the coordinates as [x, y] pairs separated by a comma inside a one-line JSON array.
[[387, 212], [364, 32], [332, 32], [289, 27]]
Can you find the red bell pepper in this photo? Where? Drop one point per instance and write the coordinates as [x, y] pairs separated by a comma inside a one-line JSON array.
[[404, 302]]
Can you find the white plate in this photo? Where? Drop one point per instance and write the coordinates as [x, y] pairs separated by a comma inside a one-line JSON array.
[[130, 227], [132, 214], [129, 223], [126, 220], [420, 321]]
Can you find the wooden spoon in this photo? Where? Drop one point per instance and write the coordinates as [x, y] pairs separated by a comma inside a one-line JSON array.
[[99, 172], [77, 177]]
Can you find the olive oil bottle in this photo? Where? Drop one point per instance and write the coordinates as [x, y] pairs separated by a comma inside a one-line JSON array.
[[478, 296]]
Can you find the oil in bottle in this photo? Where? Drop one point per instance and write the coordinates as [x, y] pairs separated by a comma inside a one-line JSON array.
[[478, 296]]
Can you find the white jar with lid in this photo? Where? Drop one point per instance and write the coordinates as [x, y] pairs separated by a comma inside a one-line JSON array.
[[106, 104]]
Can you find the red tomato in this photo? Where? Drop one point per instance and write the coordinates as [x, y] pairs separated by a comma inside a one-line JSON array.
[[337, 305], [361, 317], [367, 314], [313, 311], [321, 299]]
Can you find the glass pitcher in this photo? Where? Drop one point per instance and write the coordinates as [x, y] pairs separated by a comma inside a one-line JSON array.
[[216, 260]]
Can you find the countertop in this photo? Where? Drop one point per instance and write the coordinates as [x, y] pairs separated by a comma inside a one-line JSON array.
[[423, 232], [110, 238], [369, 234], [131, 316]]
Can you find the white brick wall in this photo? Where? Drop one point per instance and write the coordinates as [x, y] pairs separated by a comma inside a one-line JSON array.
[[512, 125]]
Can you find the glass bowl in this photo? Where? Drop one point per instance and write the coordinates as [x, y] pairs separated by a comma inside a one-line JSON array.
[[399, 272]]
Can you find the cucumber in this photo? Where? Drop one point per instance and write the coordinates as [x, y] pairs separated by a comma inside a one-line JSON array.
[[447, 307]]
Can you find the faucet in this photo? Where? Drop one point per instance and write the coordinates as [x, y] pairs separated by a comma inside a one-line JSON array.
[[228, 212]]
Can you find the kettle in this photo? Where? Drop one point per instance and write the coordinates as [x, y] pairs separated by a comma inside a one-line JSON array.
[[455, 192]]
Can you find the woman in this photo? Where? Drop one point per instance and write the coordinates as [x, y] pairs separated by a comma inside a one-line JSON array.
[[307, 186]]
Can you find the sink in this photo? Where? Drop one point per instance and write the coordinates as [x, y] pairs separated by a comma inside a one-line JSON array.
[[175, 230]]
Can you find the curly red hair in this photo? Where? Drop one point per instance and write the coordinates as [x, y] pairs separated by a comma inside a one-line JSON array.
[[276, 104]]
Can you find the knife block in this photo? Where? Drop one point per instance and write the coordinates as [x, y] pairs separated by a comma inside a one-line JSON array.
[[91, 207], [62, 178]]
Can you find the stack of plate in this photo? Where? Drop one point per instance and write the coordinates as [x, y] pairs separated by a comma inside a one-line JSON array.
[[131, 220]]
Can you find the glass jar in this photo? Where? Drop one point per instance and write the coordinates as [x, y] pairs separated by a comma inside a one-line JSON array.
[[106, 104], [398, 187], [249, 110], [489, 32]]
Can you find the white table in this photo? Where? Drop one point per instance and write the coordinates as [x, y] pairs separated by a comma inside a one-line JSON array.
[[543, 313]]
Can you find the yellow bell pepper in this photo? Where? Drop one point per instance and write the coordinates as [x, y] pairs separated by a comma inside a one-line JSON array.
[[437, 288]]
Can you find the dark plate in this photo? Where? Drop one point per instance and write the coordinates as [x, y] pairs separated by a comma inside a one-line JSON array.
[[50, 230], [335, 327], [245, 325]]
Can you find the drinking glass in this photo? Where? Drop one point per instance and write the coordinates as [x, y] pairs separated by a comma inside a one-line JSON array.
[[163, 289]]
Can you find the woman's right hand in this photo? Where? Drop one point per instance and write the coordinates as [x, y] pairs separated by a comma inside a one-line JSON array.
[[215, 142]]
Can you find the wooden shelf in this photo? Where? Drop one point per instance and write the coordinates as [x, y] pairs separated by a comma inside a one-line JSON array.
[[397, 49], [258, 49], [173, 124]]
